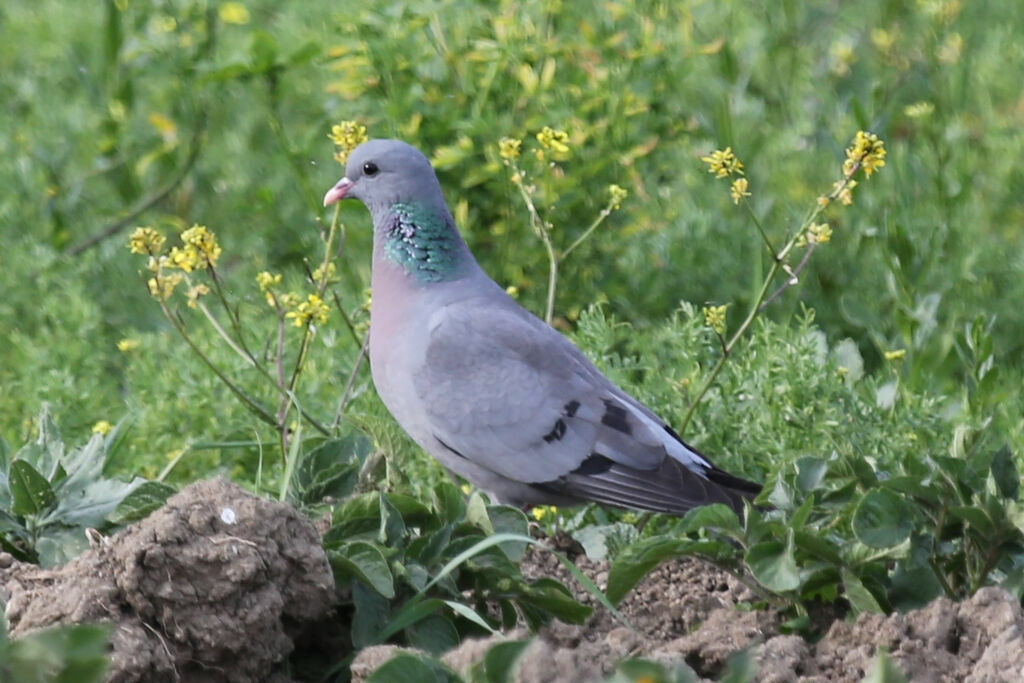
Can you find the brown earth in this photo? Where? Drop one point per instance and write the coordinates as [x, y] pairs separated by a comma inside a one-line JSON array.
[[693, 613], [219, 585]]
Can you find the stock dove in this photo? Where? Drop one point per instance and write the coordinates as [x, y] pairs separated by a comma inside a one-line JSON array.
[[492, 392]]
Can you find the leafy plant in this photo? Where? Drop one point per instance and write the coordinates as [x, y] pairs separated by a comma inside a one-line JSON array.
[[63, 653], [429, 574], [50, 496]]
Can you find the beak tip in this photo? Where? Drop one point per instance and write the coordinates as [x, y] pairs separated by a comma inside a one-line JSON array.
[[338, 192]]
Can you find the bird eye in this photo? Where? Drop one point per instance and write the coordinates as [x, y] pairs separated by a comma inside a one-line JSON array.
[[370, 168]]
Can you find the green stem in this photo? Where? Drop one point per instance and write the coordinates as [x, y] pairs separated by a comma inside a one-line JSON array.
[[605, 212]]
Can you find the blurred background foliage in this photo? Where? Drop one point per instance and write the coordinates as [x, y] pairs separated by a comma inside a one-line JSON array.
[[174, 112]]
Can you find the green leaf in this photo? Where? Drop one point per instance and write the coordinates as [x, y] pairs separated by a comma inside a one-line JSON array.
[[501, 660], [262, 51], [31, 494], [547, 598], [405, 667], [884, 670], [449, 502], [914, 585], [372, 614], [141, 502], [883, 519], [329, 470], [1004, 472], [638, 560], [859, 597], [435, 634], [476, 514], [810, 473], [392, 528], [718, 516], [773, 565], [365, 562]]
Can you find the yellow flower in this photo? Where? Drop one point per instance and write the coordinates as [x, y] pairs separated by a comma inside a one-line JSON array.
[[867, 152], [194, 292], [266, 280], [146, 240], [539, 512], [162, 286], [897, 354], [102, 427], [722, 162], [919, 109], [819, 233], [199, 251], [509, 148], [346, 136], [313, 309], [554, 140], [714, 317], [126, 345], [233, 13], [617, 195], [318, 273], [845, 195], [512, 291], [739, 190]]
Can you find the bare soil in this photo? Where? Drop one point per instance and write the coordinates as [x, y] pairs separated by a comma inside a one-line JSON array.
[[219, 585]]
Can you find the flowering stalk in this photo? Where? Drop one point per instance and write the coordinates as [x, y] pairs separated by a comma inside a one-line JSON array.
[[553, 143], [868, 153]]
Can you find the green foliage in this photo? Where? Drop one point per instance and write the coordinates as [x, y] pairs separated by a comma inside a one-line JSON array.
[[49, 496], [430, 574], [65, 654]]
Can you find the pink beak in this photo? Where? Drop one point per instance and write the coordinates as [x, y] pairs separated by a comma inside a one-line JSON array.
[[338, 192]]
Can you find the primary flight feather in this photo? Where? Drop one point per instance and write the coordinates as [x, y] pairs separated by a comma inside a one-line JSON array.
[[495, 394]]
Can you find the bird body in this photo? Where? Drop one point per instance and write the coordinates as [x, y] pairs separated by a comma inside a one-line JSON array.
[[496, 395]]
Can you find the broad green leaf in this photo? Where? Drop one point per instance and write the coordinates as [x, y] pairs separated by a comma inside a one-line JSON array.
[[883, 519], [60, 545], [435, 634], [636, 561], [372, 615], [859, 597], [975, 516], [553, 599], [719, 517], [810, 473], [141, 502], [476, 514], [773, 565], [392, 528], [509, 520], [405, 668], [450, 502], [1004, 472], [501, 660], [87, 503], [914, 585], [365, 562], [31, 494]]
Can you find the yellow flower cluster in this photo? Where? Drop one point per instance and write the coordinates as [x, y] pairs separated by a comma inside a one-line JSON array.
[[867, 152], [331, 275], [102, 427], [509, 148], [346, 136], [555, 140], [738, 190], [162, 285], [819, 233], [722, 162], [714, 317], [617, 194], [313, 309], [146, 240], [199, 250]]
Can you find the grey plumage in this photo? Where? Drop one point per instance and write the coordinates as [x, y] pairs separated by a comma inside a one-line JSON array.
[[492, 392]]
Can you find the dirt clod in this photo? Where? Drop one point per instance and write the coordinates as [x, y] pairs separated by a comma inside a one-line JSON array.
[[214, 586]]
